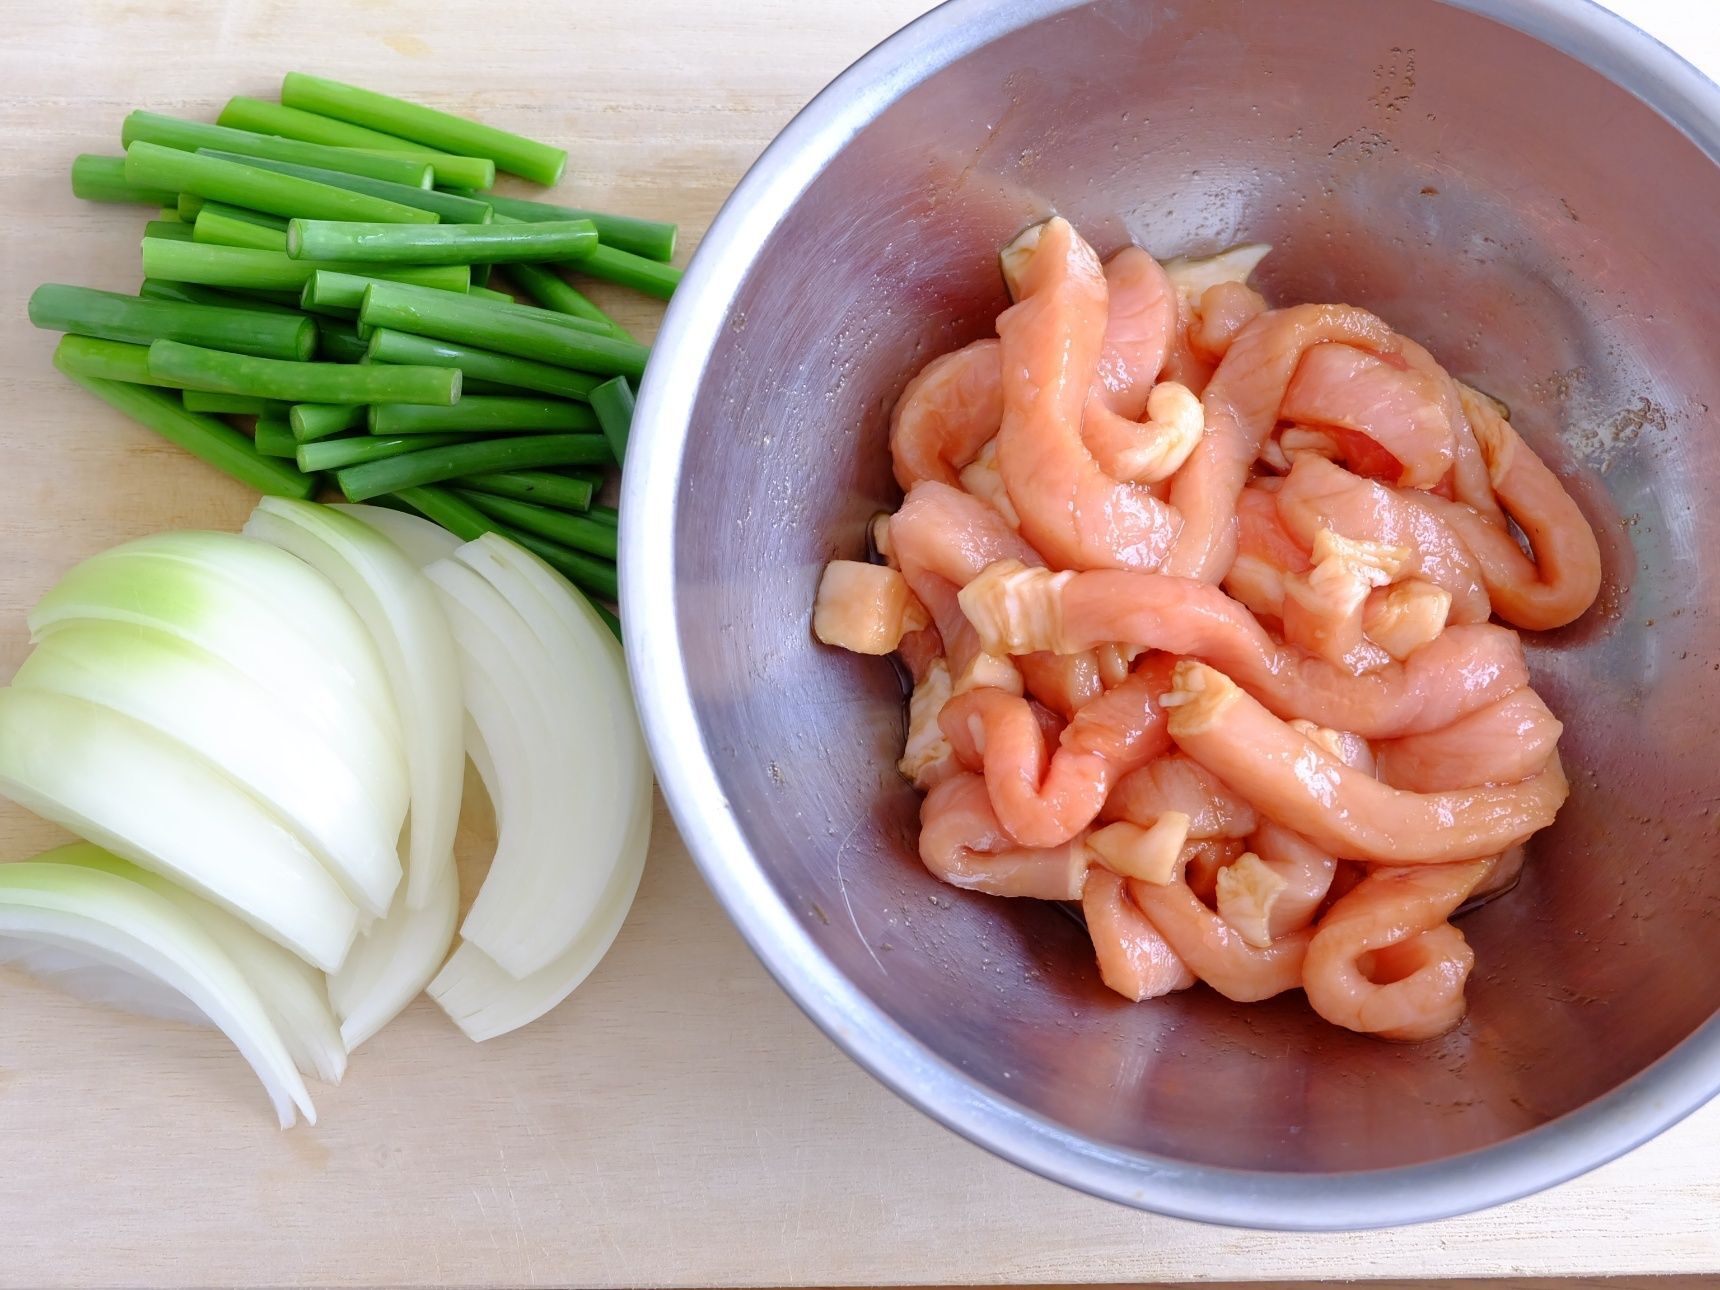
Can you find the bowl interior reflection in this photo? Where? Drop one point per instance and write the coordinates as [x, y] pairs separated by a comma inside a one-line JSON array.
[[1544, 233]]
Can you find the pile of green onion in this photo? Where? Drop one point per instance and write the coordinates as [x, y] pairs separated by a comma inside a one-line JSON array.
[[322, 265]]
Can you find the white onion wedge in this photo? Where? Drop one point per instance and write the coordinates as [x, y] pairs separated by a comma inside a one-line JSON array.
[[256, 572], [392, 963], [400, 611], [293, 993], [502, 673], [558, 744], [239, 728], [140, 795], [512, 569], [120, 923], [263, 612], [73, 972], [603, 765], [484, 1001], [424, 542]]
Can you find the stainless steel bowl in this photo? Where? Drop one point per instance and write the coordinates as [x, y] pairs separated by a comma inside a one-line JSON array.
[[1530, 187]]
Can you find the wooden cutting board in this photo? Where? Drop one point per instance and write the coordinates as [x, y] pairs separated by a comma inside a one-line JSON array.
[[678, 1121]]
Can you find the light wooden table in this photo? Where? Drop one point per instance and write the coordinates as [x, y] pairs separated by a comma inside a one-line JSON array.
[[678, 1121]]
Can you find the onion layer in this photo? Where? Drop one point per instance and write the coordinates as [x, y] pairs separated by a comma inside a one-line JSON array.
[[111, 920]]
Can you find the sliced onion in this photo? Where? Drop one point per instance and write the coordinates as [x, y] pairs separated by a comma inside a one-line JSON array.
[[508, 565], [261, 611], [500, 664], [391, 963], [599, 770], [250, 733], [255, 572], [144, 797], [517, 573], [294, 994], [484, 1001], [401, 613], [74, 972], [424, 542], [117, 922], [554, 736]]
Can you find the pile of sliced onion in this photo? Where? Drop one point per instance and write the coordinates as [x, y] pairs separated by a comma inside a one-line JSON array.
[[399, 610], [552, 731], [267, 734]]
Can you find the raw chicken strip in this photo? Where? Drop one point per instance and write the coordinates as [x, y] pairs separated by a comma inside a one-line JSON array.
[[1503, 743], [1394, 924], [1394, 406], [962, 843], [1214, 950], [1134, 960], [1564, 577], [1294, 781], [1041, 800], [1015, 610], [1241, 403], [1074, 514]]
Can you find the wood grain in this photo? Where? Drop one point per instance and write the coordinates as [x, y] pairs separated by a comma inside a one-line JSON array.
[[678, 1122]]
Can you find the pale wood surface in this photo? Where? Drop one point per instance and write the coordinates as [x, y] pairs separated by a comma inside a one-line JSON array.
[[678, 1121]]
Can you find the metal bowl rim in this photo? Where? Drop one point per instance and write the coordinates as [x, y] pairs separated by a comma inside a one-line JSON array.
[[1629, 1115]]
